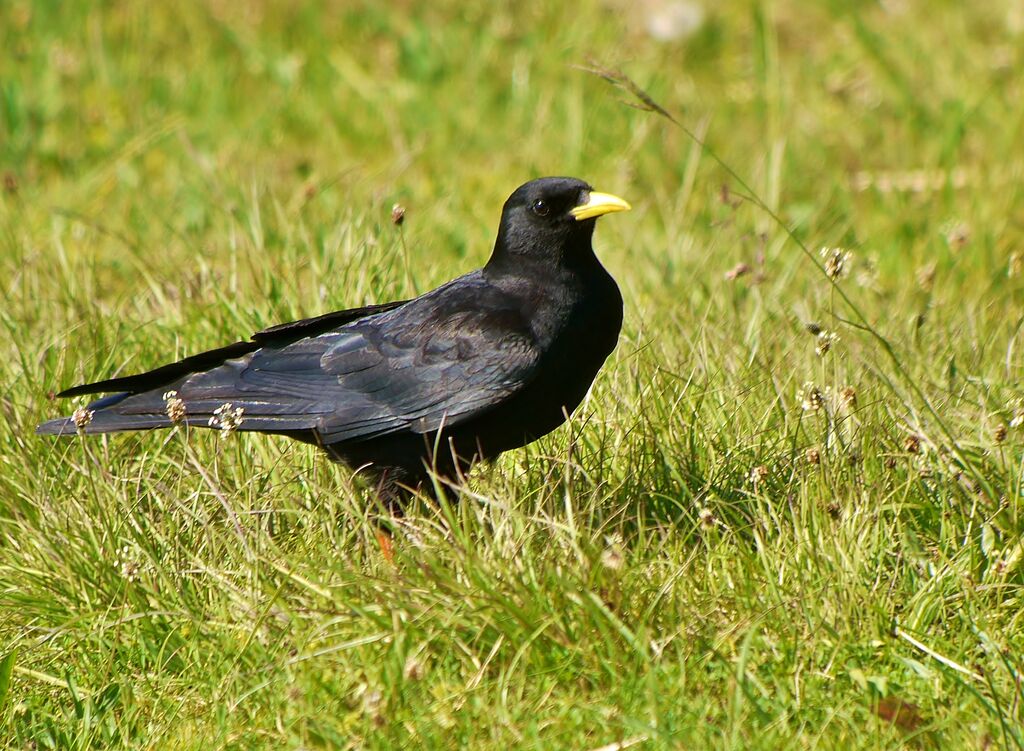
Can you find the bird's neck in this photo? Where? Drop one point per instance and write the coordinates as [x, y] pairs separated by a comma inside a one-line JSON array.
[[519, 257]]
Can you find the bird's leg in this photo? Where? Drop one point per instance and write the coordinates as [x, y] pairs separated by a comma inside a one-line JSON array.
[[387, 545], [392, 497]]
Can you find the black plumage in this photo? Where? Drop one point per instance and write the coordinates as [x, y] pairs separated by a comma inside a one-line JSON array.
[[485, 363]]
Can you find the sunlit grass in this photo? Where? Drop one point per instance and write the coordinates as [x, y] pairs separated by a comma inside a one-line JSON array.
[[742, 540]]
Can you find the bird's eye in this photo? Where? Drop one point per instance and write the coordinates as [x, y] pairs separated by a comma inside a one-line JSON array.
[[540, 208]]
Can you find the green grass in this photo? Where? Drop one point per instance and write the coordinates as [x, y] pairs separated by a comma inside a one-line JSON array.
[[176, 177]]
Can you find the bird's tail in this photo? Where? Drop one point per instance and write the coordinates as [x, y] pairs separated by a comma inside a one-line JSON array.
[[126, 411], [103, 416], [102, 423]]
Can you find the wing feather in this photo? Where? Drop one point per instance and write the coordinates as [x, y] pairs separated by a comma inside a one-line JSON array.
[[436, 361]]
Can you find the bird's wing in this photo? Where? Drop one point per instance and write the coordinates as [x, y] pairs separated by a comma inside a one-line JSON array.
[[435, 362], [283, 333], [439, 372]]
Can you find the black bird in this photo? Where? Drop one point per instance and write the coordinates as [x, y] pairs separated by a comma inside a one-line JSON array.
[[485, 363]]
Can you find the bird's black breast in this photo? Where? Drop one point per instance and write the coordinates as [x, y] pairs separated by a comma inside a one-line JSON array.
[[582, 323], [565, 329]]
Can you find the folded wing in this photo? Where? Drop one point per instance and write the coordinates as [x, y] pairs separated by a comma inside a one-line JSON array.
[[437, 361]]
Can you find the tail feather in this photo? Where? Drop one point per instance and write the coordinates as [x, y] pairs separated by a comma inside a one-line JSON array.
[[212, 399], [101, 422], [108, 421]]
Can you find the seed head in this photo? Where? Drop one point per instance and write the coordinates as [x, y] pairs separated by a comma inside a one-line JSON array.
[[227, 417], [824, 342], [813, 456], [127, 563], [1000, 433], [174, 406], [737, 271], [707, 518], [82, 417], [414, 668], [957, 234], [812, 399], [758, 474], [849, 397], [837, 261], [397, 214], [912, 444], [612, 558], [374, 706]]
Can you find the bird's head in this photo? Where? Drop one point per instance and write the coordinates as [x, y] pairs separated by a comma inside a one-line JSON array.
[[551, 220]]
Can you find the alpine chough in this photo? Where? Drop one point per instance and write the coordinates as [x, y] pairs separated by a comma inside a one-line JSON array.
[[485, 363]]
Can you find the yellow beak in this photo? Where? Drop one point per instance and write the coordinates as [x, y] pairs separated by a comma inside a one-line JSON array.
[[599, 204]]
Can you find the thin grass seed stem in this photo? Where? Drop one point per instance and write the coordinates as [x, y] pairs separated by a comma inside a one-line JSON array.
[[621, 80], [224, 503]]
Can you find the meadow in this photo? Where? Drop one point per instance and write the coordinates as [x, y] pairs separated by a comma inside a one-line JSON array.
[[789, 513]]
